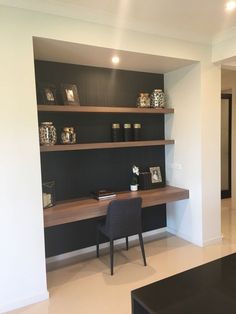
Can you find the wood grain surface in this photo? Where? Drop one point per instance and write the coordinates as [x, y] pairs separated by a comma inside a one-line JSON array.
[[96, 109], [87, 208]]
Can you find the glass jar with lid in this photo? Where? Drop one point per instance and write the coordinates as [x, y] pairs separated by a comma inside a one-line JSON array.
[[68, 135], [47, 134]]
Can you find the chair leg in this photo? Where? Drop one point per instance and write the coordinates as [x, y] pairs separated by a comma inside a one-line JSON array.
[[127, 243], [111, 255], [98, 242], [142, 248]]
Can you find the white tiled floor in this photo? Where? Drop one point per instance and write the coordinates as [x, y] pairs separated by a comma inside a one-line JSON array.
[[85, 286]]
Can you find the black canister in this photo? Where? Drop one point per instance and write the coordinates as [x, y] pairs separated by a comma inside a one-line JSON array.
[[128, 136], [137, 131], [116, 132]]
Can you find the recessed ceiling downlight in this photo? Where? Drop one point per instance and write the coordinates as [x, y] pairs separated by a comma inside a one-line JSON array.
[[115, 60], [230, 5]]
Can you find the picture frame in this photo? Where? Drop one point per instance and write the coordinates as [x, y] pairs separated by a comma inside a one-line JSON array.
[[48, 93], [70, 94], [156, 176], [49, 195], [151, 177]]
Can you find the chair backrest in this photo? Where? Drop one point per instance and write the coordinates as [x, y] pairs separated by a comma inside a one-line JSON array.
[[124, 217]]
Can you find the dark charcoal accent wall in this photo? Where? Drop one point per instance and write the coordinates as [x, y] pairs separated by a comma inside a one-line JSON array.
[[81, 234], [98, 86], [80, 172], [97, 127], [77, 173]]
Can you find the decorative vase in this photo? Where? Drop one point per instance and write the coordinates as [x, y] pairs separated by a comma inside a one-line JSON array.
[[47, 134], [143, 100], [157, 99], [68, 135], [133, 187]]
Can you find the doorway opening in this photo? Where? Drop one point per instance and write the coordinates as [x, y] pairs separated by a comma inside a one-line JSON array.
[[226, 151]]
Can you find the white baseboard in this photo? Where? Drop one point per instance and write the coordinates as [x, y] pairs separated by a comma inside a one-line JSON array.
[[147, 236], [213, 241], [24, 302], [185, 237], [179, 234]]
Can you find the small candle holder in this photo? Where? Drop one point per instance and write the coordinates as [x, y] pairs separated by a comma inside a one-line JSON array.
[[68, 135], [49, 198]]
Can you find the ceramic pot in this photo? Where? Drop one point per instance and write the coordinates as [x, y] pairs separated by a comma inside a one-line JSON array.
[[157, 99], [143, 100], [133, 187], [47, 134]]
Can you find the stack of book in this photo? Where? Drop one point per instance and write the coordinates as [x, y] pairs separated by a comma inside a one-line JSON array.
[[103, 194]]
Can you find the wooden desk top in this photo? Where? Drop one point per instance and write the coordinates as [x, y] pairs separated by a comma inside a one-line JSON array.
[[81, 209]]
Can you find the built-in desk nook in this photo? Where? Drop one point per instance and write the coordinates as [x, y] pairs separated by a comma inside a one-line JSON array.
[[95, 161]]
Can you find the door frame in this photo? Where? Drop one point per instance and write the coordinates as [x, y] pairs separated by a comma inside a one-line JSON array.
[[227, 193]]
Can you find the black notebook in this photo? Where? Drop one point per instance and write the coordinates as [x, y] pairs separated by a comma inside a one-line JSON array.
[[103, 194]]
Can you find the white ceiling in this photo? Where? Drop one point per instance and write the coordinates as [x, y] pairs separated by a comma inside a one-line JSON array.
[[192, 20], [230, 64], [65, 52]]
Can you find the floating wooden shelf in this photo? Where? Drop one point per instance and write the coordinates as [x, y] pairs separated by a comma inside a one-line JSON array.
[[87, 146], [65, 108], [87, 208]]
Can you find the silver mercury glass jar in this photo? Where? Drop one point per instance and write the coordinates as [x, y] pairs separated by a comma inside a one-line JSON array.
[[47, 134], [158, 99]]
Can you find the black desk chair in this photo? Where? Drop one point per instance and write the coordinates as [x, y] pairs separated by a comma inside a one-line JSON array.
[[123, 219]]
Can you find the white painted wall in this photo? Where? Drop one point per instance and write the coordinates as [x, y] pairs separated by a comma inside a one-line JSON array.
[[183, 160], [22, 265], [194, 161], [22, 262], [210, 151]]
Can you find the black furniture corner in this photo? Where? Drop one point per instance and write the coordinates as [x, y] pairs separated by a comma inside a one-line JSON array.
[[207, 289], [123, 219]]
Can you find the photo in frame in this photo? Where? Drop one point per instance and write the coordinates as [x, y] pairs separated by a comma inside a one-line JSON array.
[[48, 93], [49, 198], [70, 94], [151, 177], [155, 175]]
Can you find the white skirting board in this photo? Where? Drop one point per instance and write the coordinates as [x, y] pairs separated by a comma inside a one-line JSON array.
[[133, 240], [180, 235], [186, 238], [213, 240], [24, 302]]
